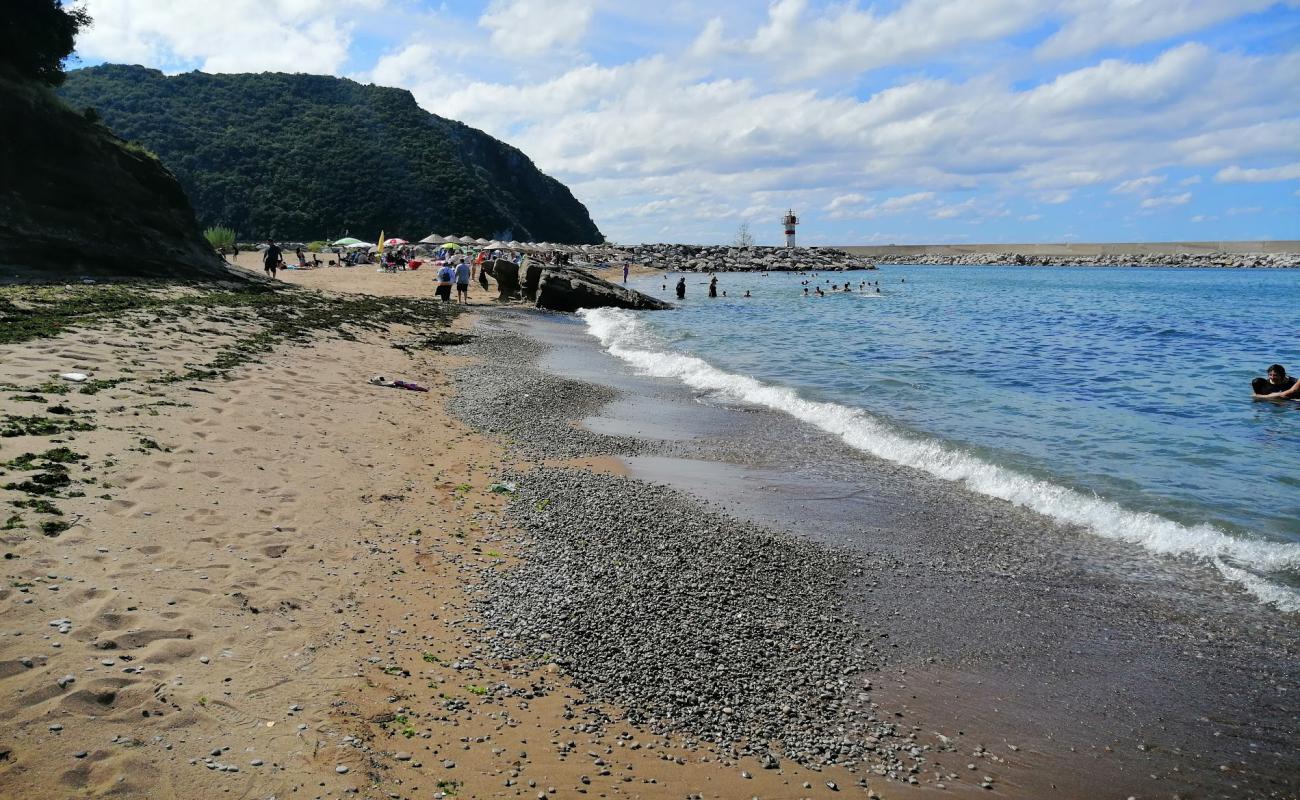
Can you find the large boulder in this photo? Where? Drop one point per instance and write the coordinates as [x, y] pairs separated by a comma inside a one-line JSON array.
[[532, 281], [506, 274], [569, 289]]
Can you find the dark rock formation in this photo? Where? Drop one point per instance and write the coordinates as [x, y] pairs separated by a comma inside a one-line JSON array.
[[506, 274], [76, 201], [532, 280], [569, 289]]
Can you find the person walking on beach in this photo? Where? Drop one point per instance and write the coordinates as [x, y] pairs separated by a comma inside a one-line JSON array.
[[462, 281], [681, 288], [1277, 386], [271, 258], [445, 276], [625, 269]]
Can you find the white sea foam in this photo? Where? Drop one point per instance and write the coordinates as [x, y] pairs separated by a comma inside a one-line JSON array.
[[1241, 561]]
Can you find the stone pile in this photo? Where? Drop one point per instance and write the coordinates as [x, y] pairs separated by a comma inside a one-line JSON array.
[[719, 258], [1237, 260]]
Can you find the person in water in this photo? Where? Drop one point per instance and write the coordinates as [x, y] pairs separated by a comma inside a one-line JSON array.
[[747, 294], [713, 286], [681, 288], [1277, 386]]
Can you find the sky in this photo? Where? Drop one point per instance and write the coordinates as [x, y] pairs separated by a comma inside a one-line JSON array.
[[902, 121]]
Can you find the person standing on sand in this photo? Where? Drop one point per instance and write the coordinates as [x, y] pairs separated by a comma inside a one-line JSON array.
[[462, 281], [625, 268], [271, 258]]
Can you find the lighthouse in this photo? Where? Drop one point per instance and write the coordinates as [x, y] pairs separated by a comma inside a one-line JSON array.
[[789, 220]]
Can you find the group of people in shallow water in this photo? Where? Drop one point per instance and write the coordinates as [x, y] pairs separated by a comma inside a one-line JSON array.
[[863, 287]]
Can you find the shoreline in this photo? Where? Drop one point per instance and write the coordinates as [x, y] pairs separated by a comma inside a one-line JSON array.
[[250, 596], [986, 634], [336, 552]]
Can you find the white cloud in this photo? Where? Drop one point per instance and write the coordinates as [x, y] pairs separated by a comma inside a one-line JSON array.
[[534, 27], [1139, 185], [1234, 174], [1031, 217], [847, 39], [1192, 181], [1096, 24], [844, 200], [1167, 200], [904, 202], [232, 36]]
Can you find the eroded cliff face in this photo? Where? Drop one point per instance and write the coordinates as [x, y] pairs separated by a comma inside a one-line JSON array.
[[76, 201]]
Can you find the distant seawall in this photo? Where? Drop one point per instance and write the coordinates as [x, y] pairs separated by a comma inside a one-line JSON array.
[[1280, 253], [1067, 249]]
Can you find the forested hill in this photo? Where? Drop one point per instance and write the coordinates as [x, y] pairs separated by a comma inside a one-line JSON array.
[[304, 157]]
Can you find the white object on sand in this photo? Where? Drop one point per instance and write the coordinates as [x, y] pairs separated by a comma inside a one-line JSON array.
[[75, 377]]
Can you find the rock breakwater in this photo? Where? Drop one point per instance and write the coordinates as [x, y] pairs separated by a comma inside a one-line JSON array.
[[1231, 260], [718, 258]]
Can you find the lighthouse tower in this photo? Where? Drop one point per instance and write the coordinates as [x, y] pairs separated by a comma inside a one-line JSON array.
[[789, 220]]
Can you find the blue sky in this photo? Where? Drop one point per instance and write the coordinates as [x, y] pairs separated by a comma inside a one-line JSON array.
[[902, 121]]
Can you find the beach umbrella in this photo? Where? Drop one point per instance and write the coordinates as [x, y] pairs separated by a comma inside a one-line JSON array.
[[394, 242], [465, 239], [347, 241], [357, 245], [433, 238], [451, 245], [481, 241]]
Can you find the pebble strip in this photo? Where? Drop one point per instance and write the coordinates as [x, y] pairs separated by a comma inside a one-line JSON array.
[[692, 622]]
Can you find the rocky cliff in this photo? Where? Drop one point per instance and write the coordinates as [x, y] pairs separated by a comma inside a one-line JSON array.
[[76, 201]]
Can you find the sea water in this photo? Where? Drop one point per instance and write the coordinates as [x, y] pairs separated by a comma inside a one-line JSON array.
[[1115, 399]]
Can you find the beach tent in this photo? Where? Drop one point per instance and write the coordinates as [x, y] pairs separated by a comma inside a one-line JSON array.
[[347, 241]]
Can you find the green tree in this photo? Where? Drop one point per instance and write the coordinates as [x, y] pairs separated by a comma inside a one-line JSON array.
[[36, 37]]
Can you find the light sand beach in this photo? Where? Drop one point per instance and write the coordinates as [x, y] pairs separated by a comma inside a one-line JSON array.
[[264, 589]]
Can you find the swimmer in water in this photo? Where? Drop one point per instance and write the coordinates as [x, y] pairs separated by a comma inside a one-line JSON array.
[[1277, 386], [747, 294]]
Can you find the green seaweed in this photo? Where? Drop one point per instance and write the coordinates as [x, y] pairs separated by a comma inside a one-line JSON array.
[[39, 505], [31, 461], [53, 527], [14, 425]]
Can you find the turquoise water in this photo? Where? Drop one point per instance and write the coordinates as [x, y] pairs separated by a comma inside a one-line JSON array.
[[1050, 387]]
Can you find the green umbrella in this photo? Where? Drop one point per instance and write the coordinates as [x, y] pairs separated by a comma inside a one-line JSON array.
[[347, 241], [451, 246]]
